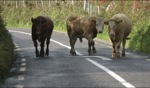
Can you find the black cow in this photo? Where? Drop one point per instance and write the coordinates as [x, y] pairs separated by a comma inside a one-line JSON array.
[[42, 28]]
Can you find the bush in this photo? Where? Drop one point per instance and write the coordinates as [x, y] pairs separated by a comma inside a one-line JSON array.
[[6, 51]]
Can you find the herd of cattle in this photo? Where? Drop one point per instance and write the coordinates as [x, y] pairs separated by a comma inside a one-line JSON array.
[[119, 27]]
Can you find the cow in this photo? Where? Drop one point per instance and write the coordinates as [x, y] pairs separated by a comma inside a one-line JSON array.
[[119, 27], [42, 28], [84, 27]]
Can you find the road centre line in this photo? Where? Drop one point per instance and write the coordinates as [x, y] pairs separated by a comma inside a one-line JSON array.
[[19, 86], [111, 73], [101, 57], [23, 59], [21, 77], [22, 69], [23, 64], [148, 59]]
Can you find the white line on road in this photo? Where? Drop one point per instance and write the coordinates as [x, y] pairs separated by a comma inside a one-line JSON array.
[[19, 86], [113, 74], [22, 69], [23, 59], [148, 59], [101, 57], [23, 64], [21, 77], [22, 55]]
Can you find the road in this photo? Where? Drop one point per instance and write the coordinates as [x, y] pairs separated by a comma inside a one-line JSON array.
[[60, 69]]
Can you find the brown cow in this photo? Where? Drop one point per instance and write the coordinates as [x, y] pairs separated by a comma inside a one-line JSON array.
[[119, 27], [42, 28], [85, 26]]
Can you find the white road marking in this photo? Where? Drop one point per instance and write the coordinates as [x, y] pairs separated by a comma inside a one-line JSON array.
[[21, 77], [22, 55], [148, 59], [113, 74], [16, 45], [19, 86], [22, 69], [101, 57], [23, 64], [23, 59], [18, 49]]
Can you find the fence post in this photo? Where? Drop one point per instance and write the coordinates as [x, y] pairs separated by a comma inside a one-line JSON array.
[[88, 8], [91, 8], [42, 4], [23, 2], [98, 8], [72, 2], [84, 7], [16, 3], [49, 4], [36, 3]]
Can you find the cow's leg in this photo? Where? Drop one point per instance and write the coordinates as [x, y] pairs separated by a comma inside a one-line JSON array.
[[113, 47], [89, 49], [117, 47], [72, 43], [47, 48], [91, 43], [113, 50], [93, 47], [123, 47], [42, 48], [36, 49]]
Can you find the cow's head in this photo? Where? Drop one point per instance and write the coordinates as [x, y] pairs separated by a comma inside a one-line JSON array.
[[99, 24], [112, 25], [37, 24]]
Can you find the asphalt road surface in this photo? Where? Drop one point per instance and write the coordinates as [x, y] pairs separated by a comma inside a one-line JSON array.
[[61, 69]]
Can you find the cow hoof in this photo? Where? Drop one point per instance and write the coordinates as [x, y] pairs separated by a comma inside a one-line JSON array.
[[42, 55], [118, 55], [90, 53], [113, 55], [47, 54], [37, 55], [94, 52], [73, 53], [123, 55]]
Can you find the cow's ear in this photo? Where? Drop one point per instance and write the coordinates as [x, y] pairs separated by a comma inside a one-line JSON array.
[[43, 21], [106, 22], [32, 20], [118, 21], [93, 21]]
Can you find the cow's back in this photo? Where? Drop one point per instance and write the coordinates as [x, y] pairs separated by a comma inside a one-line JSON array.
[[83, 26], [48, 26], [49, 23]]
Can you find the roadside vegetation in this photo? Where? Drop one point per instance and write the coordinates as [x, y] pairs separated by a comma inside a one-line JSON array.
[[6, 51]]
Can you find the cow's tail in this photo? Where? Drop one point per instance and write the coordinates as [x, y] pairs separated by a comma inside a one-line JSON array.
[[128, 38], [80, 39]]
